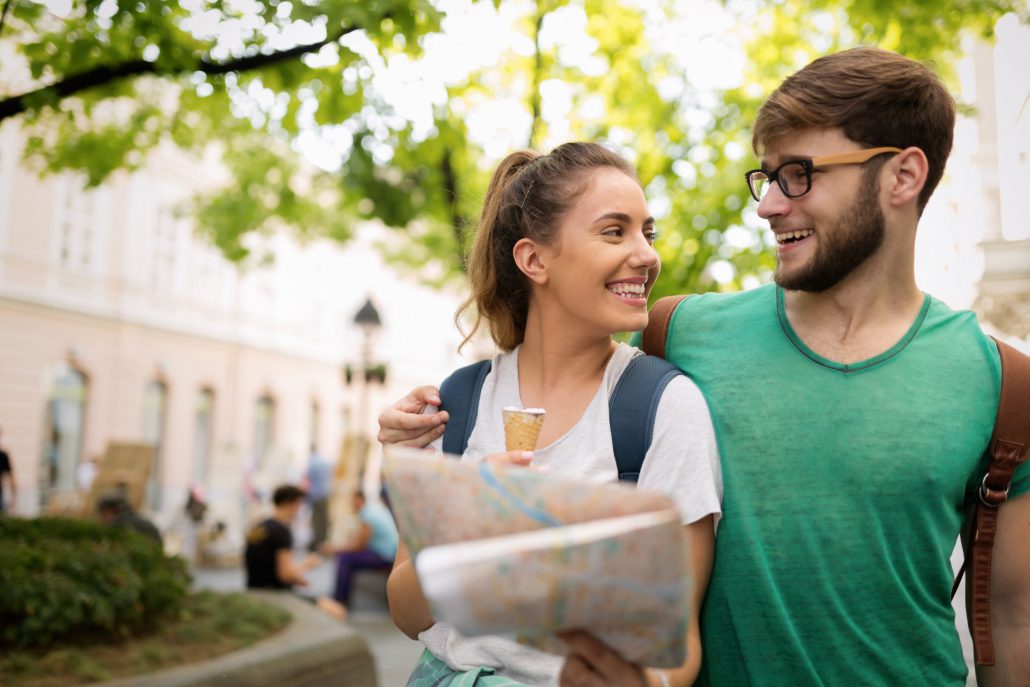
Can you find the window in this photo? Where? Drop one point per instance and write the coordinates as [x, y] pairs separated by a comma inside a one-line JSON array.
[[78, 222], [264, 426], [203, 432], [165, 250], [155, 404], [65, 414]]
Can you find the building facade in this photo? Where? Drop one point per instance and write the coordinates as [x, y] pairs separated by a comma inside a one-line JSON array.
[[117, 324]]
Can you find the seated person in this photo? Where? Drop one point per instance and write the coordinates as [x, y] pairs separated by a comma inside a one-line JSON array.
[[114, 510], [373, 546], [269, 551]]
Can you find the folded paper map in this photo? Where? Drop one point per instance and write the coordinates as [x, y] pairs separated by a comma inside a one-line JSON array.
[[524, 554]]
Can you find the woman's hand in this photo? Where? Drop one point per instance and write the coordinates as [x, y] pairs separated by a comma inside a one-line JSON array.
[[510, 458], [591, 663], [404, 423]]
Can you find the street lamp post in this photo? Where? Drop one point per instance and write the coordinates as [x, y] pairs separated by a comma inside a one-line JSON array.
[[368, 321]]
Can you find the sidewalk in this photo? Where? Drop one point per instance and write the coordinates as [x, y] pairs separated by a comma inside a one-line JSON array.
[[395, 654]]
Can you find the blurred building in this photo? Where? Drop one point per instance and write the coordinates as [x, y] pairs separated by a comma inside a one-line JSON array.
[[118, 325], [1001, 85], [973, 246]]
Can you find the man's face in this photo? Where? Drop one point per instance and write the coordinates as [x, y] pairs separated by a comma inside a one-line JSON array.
[[825, 234]]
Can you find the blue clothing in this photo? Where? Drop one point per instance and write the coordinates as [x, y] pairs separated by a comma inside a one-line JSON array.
[[384, 532], [320, 477]]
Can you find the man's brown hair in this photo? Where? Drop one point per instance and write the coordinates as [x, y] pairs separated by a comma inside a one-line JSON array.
[[876, 97]]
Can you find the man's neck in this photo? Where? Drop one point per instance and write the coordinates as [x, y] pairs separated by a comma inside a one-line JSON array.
[[860, 318], [283, 516]]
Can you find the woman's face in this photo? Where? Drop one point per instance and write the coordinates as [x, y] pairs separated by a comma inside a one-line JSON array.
[[602, 264]]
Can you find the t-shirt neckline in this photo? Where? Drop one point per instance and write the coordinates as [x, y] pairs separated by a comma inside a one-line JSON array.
[[802, 347], [602, 387]]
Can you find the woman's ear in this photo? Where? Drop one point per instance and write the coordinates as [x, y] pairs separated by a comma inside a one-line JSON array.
[[531, 260]]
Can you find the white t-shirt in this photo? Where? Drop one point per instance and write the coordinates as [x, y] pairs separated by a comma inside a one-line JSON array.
[[682, 462]]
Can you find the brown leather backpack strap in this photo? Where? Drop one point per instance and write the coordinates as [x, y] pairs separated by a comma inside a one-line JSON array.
[[657, 330], [1009, 447]]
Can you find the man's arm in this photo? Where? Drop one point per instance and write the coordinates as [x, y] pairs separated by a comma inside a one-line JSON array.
[[590, 662], [1010, 598], [289, 571], [11, 488]]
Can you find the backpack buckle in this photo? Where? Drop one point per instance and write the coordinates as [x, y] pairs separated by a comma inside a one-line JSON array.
[[992, 498]]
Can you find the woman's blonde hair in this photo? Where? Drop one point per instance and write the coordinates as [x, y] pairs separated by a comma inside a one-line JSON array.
[[527, 198]]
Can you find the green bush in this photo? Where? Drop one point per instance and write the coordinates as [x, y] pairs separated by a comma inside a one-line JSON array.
[[66, 579]]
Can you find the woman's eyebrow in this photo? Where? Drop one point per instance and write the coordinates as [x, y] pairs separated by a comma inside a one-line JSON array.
[[622, 217]]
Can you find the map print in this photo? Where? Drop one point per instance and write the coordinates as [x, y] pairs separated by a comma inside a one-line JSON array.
[[519, 553]]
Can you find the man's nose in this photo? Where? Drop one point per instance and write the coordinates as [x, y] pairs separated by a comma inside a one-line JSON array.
[[774, 202]]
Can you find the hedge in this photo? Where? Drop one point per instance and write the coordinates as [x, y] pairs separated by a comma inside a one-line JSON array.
[[63, 579]]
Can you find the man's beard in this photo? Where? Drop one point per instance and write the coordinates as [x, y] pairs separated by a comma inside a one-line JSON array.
[[855, 235]]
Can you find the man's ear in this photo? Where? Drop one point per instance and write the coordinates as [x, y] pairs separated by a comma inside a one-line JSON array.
[[909, 170], [531, 259]]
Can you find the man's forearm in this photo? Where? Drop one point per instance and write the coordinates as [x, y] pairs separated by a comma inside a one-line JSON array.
[[1011, 657]]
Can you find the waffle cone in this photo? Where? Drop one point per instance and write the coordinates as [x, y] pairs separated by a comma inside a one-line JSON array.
[[521, 429]]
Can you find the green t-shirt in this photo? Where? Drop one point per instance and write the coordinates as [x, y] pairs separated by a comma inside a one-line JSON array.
[[844, 493]]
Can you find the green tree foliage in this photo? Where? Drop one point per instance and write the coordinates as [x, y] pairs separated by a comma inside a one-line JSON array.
[[117, 78]]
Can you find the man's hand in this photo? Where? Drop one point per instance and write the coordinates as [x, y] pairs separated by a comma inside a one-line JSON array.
[[403, 423], [591, 663]]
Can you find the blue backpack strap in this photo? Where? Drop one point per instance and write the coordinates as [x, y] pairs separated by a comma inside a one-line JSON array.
[[459, 396], [632, 409]]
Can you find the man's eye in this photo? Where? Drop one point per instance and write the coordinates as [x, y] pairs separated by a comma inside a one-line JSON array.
[[796, 174]]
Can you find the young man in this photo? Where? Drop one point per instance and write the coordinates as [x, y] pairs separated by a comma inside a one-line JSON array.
[[269, 553], [373, 546], [852, 410], [114, 510], [6, 479]]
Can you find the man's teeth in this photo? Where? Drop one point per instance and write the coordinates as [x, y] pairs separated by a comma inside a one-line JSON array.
[[623, 289], [791, 236]]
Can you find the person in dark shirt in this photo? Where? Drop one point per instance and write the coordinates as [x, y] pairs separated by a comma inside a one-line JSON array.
[[6, 477], [269, 552], [115, 511]]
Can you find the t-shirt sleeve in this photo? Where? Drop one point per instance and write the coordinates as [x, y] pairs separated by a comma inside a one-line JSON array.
[[280, 538], [683, 460]]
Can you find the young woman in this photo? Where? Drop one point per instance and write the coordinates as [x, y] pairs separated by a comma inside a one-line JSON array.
[[562, 259]]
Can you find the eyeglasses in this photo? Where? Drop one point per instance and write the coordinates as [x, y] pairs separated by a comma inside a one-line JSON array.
[[795, 176]]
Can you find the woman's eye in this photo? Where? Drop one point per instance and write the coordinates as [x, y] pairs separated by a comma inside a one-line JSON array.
[[615, 232], [651, 235]]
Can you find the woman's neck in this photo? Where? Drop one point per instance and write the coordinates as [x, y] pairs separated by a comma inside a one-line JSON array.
[[554, 361]]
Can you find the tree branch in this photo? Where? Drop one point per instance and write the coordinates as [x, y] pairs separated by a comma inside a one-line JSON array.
[[100, 76], [3, 15]]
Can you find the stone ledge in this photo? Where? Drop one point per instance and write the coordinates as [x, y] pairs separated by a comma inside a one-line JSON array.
[[313, 651]]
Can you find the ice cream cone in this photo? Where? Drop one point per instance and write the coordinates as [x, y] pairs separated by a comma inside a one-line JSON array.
[[522, 427]]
